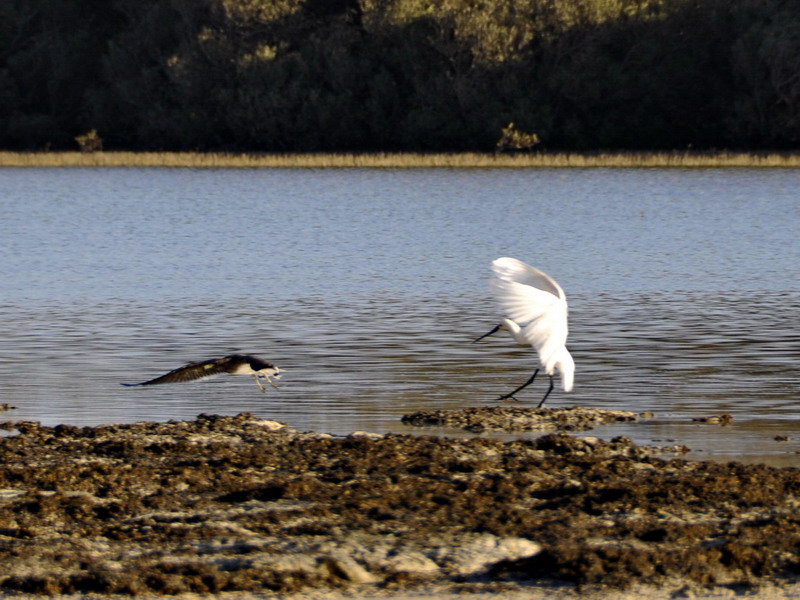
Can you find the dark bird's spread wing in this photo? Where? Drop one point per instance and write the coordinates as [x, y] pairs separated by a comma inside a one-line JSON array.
[[191, 372]]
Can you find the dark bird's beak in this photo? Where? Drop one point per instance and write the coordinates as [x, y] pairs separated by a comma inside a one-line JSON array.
[[497, 327]]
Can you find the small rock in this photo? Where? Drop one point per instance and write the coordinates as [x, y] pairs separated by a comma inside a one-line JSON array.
[[8, 493], [366, 434], [346, 568], [476, 556], [411, 562], [516, 547], [724, 419], [782, 438], [269, 425]]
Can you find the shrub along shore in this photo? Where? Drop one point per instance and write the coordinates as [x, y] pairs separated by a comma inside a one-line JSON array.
[[399, 160]]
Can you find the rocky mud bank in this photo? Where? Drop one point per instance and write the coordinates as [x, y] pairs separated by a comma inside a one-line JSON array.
[[244, 504], [519, 419]]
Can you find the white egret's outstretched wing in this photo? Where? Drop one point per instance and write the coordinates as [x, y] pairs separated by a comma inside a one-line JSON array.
[[534, 301], [513, 270]]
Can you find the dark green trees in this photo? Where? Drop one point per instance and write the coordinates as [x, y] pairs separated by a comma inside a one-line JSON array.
[[389, 75]]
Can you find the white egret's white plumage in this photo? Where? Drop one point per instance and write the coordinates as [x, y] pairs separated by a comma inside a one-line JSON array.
[[234, 364], [534, 311]]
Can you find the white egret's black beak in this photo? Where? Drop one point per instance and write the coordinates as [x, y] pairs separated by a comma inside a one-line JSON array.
[[495, 330]]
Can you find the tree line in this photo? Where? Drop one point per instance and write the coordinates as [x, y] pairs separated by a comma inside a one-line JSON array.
[[400, 75]]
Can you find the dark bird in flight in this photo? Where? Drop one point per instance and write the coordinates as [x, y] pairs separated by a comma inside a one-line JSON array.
[[235, 364]]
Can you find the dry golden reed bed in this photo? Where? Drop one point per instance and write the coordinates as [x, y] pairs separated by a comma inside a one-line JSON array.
[[398, 160]]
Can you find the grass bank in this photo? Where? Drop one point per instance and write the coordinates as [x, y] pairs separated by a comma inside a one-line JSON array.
[[399, 160]]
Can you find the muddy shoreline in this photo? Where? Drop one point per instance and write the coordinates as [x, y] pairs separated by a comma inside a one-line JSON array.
[[519, 419], [241, 504]]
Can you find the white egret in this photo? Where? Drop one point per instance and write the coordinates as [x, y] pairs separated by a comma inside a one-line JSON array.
[[534, 311], [235, 364]]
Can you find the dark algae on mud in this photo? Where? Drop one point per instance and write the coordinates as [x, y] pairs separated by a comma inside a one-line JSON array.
[[241, 503]]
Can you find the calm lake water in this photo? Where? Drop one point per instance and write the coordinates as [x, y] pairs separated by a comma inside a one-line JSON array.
[[367, 287]]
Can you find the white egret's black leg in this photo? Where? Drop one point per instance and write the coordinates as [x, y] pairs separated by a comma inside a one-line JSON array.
[[524, 385], [495, 330], [550, 389]]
